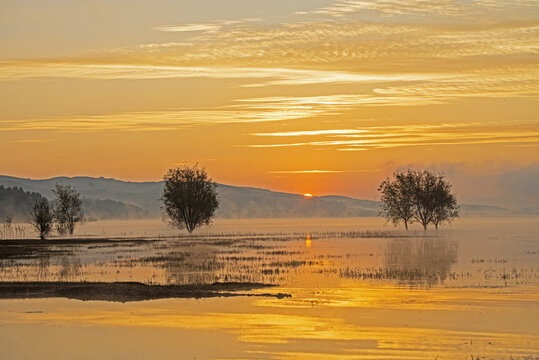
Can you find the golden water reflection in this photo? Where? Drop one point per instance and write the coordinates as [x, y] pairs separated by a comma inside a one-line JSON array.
[[380, 323], [281, 259], [426, 260], [355, 295]]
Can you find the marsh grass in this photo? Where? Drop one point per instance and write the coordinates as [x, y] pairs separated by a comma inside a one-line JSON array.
[[273, 258]]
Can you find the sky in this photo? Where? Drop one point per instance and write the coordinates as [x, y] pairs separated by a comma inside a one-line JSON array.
[[303, 96]]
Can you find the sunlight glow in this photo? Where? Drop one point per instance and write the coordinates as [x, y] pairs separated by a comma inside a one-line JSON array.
[[343, 85]]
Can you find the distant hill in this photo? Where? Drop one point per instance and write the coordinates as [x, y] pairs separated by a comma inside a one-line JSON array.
[[126, 199], [246, 202], [109, 209], [141, 194], [15, 204]]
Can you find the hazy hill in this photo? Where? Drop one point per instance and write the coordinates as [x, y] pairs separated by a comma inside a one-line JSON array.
[[141, 194], [245, 202], [127, 199], [15, 203]]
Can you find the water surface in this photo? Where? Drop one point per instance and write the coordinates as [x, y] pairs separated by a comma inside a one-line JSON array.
[[359, 291]]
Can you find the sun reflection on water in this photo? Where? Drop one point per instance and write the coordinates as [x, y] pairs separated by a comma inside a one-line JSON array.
[[355, 295]]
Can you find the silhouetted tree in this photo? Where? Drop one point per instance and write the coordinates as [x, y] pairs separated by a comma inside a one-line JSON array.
[[189, 197], [421, 196], [397, 204], [42, 217], [444, 203], [68, 210], [423, 185]]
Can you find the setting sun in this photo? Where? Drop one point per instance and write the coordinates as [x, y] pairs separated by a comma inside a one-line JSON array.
[[307, 195]]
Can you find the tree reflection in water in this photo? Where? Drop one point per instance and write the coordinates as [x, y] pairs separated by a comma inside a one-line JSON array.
[[199, 266], [420, 261]]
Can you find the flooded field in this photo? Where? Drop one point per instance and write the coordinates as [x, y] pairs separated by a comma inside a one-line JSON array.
[[358, 290]]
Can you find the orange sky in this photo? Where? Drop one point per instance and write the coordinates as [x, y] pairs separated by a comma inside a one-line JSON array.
[[325, 97]]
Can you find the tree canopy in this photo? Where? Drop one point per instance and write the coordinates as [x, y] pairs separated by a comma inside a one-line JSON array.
[[418, 196], [68, 209], [41, 217], [189, 197]]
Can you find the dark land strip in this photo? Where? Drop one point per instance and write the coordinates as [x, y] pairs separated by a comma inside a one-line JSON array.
[[127, 291]]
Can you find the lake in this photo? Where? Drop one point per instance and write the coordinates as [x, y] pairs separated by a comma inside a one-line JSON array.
[[358, 290]]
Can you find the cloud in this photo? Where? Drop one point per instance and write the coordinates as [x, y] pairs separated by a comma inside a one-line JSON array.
[[393, 7], [355, 45], [438, 8], [276, 76], [163, 120], [205, 27], [383, 137], [408, 63], [311, 132], [188, 28], [305, 171]]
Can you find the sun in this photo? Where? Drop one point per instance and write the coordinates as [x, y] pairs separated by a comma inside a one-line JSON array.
[[307, 195]]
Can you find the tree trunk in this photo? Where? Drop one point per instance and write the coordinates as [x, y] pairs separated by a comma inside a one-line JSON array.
[[425, 227], [406, 225]]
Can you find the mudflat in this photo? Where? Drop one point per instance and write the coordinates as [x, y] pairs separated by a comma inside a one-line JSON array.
[[126, 291]]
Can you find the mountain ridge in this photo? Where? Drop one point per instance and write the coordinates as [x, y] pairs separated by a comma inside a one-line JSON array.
[[235, 201]]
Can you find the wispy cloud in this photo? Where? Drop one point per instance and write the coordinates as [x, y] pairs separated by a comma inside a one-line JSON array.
[[356, 46], [275, 76], [393, 7], [305, 171], [163, 120], [206, 27], [311, 132], [188, 28], [378, 137], [271, 109], [440, 8]]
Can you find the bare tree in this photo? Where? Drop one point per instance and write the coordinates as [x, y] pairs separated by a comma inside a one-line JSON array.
[[421, 196], [42, 217], [68, 210], [189, 197]]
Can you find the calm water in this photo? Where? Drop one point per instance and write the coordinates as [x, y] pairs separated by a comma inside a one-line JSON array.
[[359, 291]]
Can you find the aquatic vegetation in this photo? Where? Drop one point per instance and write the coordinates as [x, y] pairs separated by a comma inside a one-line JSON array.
[[392, 256]]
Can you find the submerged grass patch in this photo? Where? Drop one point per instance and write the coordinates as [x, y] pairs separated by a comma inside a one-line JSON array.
[[273, 258]]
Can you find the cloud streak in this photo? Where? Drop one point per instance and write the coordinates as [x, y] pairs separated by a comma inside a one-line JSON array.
[[188, 28], [276, 76], [305, 171], [204, 27], [439, 8], [384, 137]]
